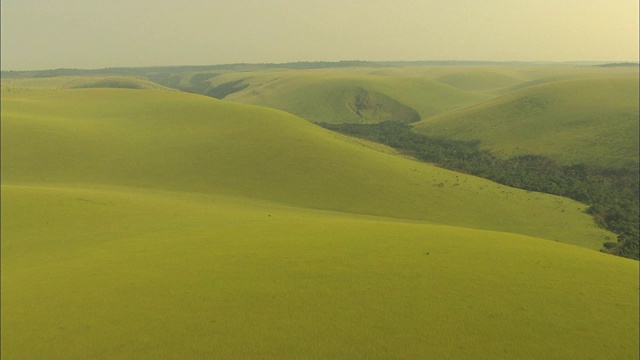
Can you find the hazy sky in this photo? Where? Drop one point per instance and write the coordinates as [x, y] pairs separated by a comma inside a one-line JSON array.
[[46, 34]]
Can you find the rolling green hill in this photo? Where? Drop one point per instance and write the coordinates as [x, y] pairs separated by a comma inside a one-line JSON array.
[[593, 121], [108, 273], [372, 94], [182, 142], [159, 224], [339, 96]]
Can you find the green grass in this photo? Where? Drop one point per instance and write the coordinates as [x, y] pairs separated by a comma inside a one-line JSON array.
[[157, 224], [183, 142], [392, 93], [332, 95], [594, 121], [108, 273]]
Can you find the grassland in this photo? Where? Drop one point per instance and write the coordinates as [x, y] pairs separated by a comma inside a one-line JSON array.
[[182, 142], [158, 224], [571, 113], [337, 96], [592, 121], [124, 273], [478, 99]]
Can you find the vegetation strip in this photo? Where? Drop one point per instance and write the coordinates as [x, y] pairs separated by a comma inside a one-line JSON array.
[[612, 193]]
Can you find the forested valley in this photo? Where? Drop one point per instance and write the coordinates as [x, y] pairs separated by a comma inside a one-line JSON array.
[[611, 193]]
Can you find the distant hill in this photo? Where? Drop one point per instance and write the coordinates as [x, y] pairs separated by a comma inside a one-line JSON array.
[[627, 64], [79, 82], [594, 121], [347, 97], [132, 71], [480, 80]]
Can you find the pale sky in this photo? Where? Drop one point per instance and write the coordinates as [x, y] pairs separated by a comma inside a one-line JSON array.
[[47, 34]]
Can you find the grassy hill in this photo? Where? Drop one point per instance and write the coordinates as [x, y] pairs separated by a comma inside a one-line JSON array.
[[95, 272], [342, 92], [182, 142], [371, 94], [594, 121], [159, 224], [346, 96]]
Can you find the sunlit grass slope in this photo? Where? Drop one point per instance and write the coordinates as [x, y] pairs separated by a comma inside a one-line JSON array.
[[594, 121], [104, 273], [184, 142], [348, 96]]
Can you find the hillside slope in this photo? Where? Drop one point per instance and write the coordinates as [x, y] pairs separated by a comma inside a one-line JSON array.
[[594, 121], [103, 273], [182, 142]]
